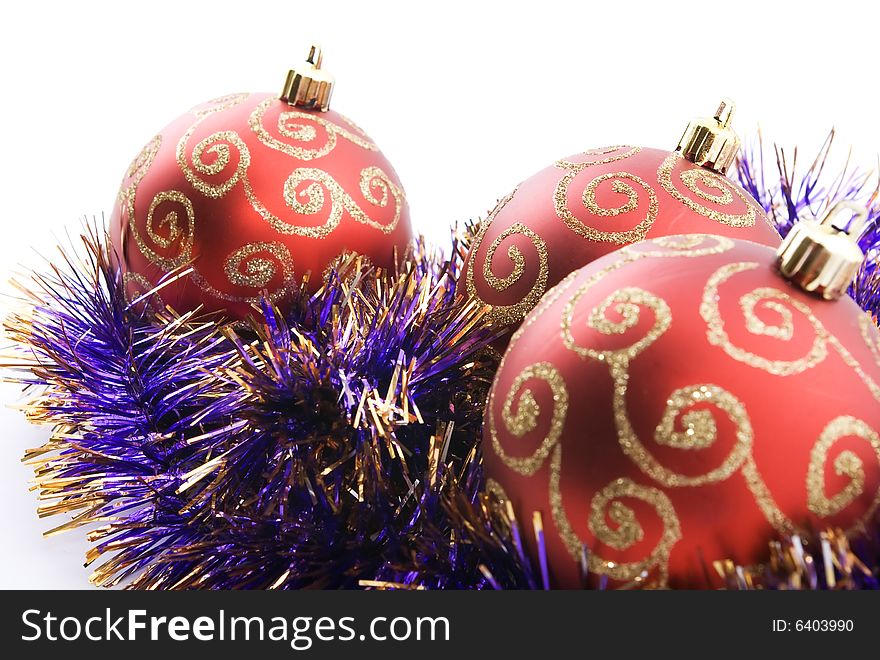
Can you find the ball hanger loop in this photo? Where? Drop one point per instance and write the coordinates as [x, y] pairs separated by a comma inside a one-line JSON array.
[[308, 86], [710, 142], [821, 258]]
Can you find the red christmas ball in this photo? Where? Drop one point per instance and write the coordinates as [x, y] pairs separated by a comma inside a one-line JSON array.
[[678, 402], [589, 204], [252, 192]]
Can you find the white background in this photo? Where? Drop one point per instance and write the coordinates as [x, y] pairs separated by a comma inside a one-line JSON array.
[[465, 98]]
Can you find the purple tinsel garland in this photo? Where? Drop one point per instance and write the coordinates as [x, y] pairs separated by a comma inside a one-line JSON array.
[[298, 453]]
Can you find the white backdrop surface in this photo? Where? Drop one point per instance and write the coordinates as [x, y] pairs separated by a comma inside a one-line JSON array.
[[465, 98]]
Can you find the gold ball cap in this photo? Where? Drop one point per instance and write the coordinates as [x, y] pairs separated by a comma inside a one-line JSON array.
[[819, 257], [709, 141], [308, 86]]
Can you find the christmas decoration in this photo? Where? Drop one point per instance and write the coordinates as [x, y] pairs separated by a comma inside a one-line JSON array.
[[678, 402], [276, 455], [244, 195], [591, 203]]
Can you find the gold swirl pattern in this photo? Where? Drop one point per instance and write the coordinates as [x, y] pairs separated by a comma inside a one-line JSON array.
[[696, 180], [508, 314], [674, 246], [375, 185], [135, 173], [302, 127], [175, 232], [783, 331], [315, 196], [626, 302], [514, 313], [619, 186], [694, 245], [374, 179], [605, 155], [259, 272], [525, 418], [701, 433], [628, 531], [514, 254], [218, 146], [245, 268], [692, 179], [142, 162], [718, 336], [700, 428], [319, 181], [847, 464]]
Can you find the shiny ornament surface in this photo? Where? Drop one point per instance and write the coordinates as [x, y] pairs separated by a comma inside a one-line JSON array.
[[589, 204], [252, 193], [679, 402]]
